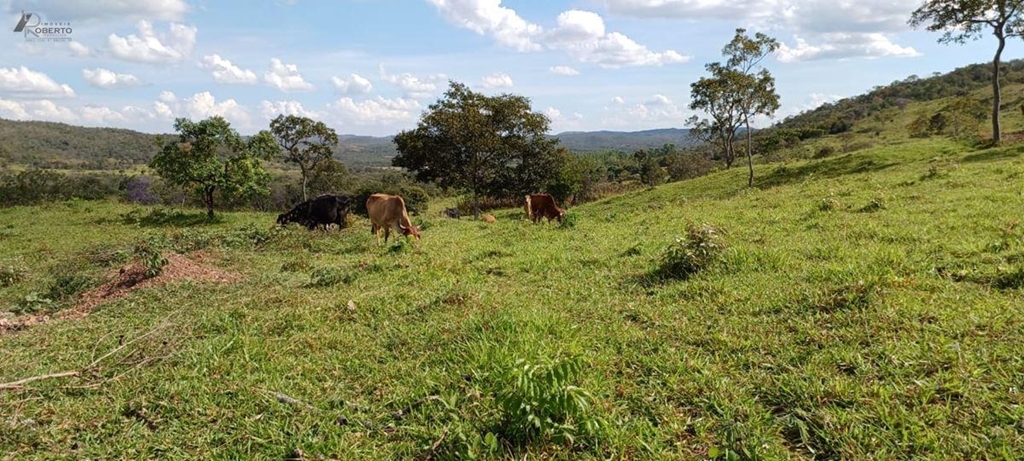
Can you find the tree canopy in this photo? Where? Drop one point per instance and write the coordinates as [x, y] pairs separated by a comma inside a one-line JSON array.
[[209, 156], [485, 145], [304, 142]]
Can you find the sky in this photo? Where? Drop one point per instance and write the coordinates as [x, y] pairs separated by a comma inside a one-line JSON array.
[[372, 67]]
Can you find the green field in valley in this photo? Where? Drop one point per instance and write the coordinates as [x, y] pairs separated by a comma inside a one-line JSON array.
[[865, 306]]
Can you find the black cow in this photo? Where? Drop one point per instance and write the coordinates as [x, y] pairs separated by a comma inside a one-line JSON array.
[[323, 211], [451, 213]]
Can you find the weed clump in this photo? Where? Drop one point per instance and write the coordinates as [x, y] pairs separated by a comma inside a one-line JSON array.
[[327, 277], [876, 204], [569, 221], [68, 285], [540, 403], [150, 257], [692, 253], [9, 276]]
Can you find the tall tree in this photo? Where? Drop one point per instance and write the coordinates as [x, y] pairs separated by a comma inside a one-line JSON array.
[[209, 156], [715, 97], [304, 142], [754, 84], [961, 20], [484, 145]]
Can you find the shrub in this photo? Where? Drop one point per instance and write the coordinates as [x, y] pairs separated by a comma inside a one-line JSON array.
[[151, 258], [32, 303], [825, 151], [692, 253], [540, 403]]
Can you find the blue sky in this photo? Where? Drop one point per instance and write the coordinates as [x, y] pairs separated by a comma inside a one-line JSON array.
[[373, 66]]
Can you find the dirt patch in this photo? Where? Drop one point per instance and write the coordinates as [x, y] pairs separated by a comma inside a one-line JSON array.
[[126, 280]]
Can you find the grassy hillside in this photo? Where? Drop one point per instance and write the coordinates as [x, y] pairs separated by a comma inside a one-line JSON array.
[[867, 306]]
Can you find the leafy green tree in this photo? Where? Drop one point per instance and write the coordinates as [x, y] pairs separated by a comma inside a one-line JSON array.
[[735, 92], [961, 20], [304, 142], [485, 145], [330, 176], [648, 168], [962, 116], [209, 156]]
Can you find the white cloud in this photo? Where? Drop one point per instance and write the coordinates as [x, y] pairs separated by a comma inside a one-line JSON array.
[[107, 79], [488, 17], [26, 83], [354, 84], [78, 50], [563, 70], [582, 35], [842, 46], [285, 77], [150, 47], [618, 100], [376, 111], [226, 72], [658, 110], [64, 10], [167, 96], [271, 109], [413, 86], [204, 105], [823, 29], [163, 110], [100, 114], [497, 80], [43, 109]]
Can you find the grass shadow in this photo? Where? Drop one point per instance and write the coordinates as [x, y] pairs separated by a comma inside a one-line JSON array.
[[991, 155], [828, 168], [164, 218]]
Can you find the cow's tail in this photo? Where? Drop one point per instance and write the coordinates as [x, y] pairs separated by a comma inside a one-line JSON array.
[[529, 208]]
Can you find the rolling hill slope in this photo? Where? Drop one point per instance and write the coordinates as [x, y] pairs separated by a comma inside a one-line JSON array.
[[865, 306]]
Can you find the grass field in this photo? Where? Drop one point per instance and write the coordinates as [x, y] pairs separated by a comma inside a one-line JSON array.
[[866, 306]]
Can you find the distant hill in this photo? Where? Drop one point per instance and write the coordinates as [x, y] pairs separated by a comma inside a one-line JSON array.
[[583, 141], [63, 146]]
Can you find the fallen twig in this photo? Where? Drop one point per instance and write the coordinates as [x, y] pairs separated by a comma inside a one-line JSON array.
[[90, 367], [286, 399], [21, 382]]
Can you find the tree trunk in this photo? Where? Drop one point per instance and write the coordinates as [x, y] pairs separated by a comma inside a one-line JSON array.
[[304, 181], [996, 100], [208, 198], [750, 154]]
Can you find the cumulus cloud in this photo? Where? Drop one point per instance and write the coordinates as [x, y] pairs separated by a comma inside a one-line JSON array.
[[581, 34], [25, 83], [225, 72], [824, 29], [108, 79], [271, 109], [497, 80], [563, 70], [376, 111], [488, 17], [355, 83], [658, 110], [618, 100], [204, 105], [43, 109], [60, 10], [285, 77], [79, 50], [414, 87], [152, 48]]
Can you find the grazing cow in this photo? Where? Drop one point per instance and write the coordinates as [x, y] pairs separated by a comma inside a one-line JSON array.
[[387, 212], [323, 211], [489, 218], [451, 213], [543, 206]]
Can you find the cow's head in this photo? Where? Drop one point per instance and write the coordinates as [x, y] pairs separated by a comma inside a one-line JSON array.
[[411, 230], [282, 218], [561, 214]]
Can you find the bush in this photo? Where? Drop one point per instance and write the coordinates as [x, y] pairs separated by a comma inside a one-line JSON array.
[[569, 221], [67, 286], [540, 403], [825, 151], [150, 257], [693, 253]]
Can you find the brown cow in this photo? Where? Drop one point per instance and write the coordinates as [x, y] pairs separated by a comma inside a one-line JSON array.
[[387, 212], [543, 206]]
